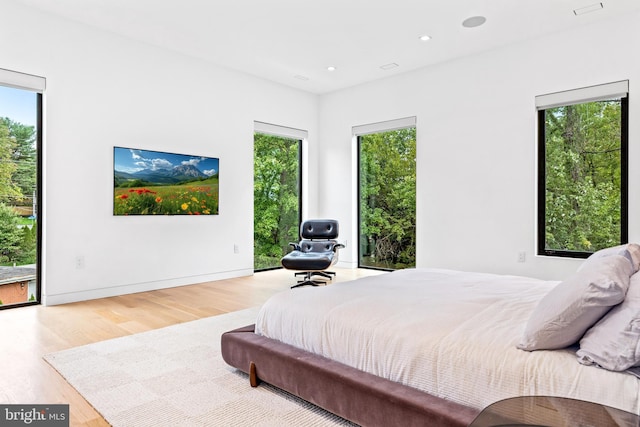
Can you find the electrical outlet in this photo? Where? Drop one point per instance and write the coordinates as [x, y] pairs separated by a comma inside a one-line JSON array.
[[522, 256], [236, 249], [80, 262]]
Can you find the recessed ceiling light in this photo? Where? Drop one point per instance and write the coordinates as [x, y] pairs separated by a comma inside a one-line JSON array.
[[331, 68], [587, 9], [474, 21], [389, 66], [425, 38]]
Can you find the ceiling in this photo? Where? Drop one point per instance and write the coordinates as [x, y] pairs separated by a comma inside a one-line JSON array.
[[292, 42]]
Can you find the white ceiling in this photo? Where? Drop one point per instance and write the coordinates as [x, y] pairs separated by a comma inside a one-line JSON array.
[[281, 39]]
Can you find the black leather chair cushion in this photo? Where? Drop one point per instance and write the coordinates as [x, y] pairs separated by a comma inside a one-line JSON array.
[[319, 229], [312, 261], [325, 246], [310, 255]]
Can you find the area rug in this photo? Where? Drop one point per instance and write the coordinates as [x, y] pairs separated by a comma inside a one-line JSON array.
[[175, 376]]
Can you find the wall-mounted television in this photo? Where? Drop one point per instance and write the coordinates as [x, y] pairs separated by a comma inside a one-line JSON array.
[[158, 183]]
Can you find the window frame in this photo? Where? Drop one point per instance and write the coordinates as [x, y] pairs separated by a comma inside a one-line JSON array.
[[293, 134], [32, 84], [542, 181], [358, 133]]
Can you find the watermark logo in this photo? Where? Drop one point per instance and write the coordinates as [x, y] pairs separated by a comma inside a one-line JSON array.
[[34, 415]]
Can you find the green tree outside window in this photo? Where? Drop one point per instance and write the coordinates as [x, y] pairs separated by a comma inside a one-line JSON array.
[[276, 198], [17, 186], [583, 177], [388, 199]]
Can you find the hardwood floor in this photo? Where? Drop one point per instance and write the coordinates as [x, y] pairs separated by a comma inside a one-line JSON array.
[[28, 333]]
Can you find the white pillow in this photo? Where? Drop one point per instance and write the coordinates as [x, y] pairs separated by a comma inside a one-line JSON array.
[[614, 342], [573, 306], [629, 250]]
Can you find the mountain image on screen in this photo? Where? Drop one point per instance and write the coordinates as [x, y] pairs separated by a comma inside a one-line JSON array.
[[174, 175]]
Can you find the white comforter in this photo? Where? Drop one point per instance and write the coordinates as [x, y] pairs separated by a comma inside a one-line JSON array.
[[452, 334]]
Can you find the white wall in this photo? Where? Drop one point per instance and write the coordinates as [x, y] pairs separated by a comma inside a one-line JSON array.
[[476, 150], [476, 127], [104, 90]]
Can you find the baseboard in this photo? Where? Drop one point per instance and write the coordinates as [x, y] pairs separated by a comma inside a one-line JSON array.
[[65, 298], [347, 264]]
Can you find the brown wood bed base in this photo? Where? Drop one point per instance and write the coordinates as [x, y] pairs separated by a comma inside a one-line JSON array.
[[357, 396]]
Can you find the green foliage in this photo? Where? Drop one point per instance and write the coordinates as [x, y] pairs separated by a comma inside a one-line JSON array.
[[275, 198], [11, 236], [133, 183], [388, 199], [24, 157], [28, 246], [9, 191], [583, 176], [264, 262], [18, 180]]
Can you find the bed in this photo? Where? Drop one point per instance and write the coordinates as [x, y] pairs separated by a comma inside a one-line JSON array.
[[429, 346]]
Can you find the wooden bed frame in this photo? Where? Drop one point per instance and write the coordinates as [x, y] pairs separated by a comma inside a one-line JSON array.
[[357, 396]]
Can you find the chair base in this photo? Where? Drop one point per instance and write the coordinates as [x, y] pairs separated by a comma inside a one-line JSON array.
[[308, 281]]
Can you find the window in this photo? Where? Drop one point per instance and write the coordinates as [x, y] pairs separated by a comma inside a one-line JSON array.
[[582, 175], [387, 194], [20, 184], [277, 192]]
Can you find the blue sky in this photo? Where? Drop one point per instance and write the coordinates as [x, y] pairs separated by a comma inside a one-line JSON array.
[[132, 160], [19, 105]]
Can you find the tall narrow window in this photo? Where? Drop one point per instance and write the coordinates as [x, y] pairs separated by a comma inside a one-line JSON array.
[[277, 193], [582, 171], [387, 195], [20, 144]]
